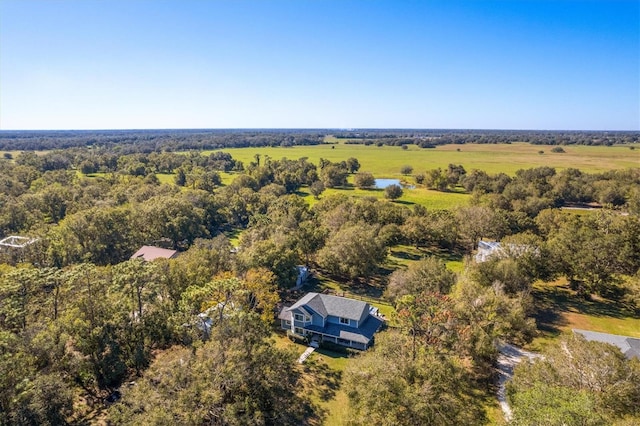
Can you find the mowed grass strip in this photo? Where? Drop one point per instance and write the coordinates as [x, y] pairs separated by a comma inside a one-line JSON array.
[[386, 161]]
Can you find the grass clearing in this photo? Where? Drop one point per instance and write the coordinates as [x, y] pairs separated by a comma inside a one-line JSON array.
[[16, 153], [403, 255], [234, 236], [166, 178], [559, 311], [432, 200], [227, 178]]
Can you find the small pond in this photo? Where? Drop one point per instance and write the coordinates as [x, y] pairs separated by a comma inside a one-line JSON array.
[[383, 183]]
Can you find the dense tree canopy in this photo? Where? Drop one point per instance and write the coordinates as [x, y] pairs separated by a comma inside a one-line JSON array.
[[387, 386], [576, 383], [236, 378], [427, 275], [353, 252], [78, 319]]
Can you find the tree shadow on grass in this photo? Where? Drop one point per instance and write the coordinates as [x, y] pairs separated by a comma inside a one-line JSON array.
[[417, 253], [548, 314], [404, 254], [371, 287], [324, 380], [598, 307], [319, 283], [552, 302], [406, 203]]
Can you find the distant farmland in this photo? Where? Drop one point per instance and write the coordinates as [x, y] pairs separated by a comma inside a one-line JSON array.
[[386, 161]]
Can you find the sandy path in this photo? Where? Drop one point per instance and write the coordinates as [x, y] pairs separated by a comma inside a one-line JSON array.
[[509, 356]]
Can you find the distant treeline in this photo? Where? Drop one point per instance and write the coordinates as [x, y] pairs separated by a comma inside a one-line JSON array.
[[145, 141], [432, 138]]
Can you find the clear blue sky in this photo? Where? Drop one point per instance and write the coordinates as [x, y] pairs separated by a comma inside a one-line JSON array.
[[314, 64]]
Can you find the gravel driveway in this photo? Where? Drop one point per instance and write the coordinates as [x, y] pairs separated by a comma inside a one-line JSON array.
[[509, 356]]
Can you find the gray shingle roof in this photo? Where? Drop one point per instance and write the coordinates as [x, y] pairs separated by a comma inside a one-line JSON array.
[[336, 306], [363, 334], [284, 314], [634, 350], [630, 346]]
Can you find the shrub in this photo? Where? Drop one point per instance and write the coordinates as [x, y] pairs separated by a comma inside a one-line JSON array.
[[297, 338], [364, 180], [393, 192], [406, 169], [334, 347]]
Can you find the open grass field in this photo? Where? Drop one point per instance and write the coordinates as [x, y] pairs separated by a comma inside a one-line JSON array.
[[385, 161], [402, 255]]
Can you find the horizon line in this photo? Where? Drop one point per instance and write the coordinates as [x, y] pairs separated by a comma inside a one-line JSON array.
[[342, 129]]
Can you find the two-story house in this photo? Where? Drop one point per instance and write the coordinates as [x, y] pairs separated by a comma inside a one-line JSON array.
[[339, 320]]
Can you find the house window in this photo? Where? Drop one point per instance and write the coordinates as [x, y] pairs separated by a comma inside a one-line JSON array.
[[287, 322], [344, 321], [300, 331], [300, 317]]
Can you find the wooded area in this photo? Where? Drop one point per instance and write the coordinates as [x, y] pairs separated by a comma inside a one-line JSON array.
[[82, 325], [129, 141]]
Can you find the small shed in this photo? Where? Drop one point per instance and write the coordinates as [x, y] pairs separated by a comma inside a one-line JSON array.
[[486, 249], [303, 274]]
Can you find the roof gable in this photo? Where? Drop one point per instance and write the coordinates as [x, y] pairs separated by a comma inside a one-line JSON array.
[[312, 301], [336, 306]]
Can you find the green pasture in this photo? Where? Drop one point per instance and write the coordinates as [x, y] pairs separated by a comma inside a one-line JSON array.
[[386, 161]]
